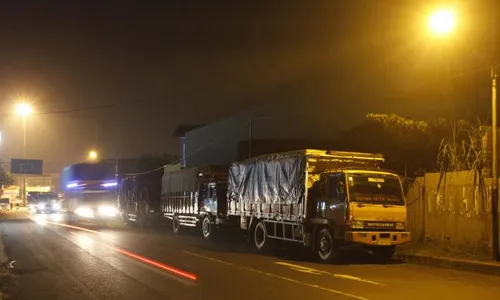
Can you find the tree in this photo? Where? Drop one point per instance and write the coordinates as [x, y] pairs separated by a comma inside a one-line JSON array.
[[417, 146], [6, 179], [462, 148], [409, 146]]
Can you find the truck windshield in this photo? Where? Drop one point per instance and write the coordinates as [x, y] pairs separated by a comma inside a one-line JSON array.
[[98, 197], [47, 197], [375, 189]]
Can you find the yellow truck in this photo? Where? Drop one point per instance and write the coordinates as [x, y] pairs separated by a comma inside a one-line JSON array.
[[325, 200]]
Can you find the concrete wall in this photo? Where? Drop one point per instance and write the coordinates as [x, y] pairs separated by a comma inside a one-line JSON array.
[[450, 208]]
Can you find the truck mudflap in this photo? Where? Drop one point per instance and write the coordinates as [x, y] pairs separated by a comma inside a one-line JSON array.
[[376, 238]]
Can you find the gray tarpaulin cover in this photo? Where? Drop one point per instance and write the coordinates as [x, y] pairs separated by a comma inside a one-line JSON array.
[[271, 179]]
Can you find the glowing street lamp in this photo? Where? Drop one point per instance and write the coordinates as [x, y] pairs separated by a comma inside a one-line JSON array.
[[93, 155], [442, 21], [23, 109]]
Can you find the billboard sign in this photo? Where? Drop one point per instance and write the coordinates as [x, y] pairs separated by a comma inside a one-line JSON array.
[[26, 166]]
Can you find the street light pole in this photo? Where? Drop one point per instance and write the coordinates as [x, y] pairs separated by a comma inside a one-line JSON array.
[[494, 141], [24, 156], [24, 137], [494, 167], [23, 109]]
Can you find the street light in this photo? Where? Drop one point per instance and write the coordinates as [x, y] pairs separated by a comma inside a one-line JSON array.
[[24, 110], [93, 155], [442, 21]]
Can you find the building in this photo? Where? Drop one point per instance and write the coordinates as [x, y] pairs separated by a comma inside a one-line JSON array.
[[261, 130], [180, 132]]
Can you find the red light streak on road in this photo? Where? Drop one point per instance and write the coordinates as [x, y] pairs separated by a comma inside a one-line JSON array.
[[146, 260], [156, 264]]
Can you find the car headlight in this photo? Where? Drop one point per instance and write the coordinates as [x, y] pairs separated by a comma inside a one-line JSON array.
[[357, 224], [400, 226], [41, 205], [109, 211], [56, 206], [84, 212]]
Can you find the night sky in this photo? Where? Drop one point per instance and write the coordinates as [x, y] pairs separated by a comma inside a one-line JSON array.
[[119, 76]]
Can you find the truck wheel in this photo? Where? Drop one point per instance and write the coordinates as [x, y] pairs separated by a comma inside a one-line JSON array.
[[328, 250], [176, 225], [384, 254], [206, 228], [260, 237]]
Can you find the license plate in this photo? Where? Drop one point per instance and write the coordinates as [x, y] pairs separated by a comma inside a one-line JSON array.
[[384, 242]]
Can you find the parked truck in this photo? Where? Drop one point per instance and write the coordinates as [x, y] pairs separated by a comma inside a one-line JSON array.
[[325, 200], [195, 197], [139, 198]]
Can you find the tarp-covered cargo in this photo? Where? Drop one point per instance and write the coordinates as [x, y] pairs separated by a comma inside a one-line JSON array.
[[271, 179], [275, 185], [134, 188]]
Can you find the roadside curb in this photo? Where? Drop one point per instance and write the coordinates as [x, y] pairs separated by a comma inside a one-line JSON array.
[[3, 254], [3, 260], [484, 267]]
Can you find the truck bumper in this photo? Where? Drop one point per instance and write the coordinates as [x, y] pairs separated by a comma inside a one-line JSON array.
[[371, 238]]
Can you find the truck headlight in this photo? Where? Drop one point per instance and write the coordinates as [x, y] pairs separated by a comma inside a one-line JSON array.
[[84, 212], [400, 226], [357, 225], [108, 211], [41, 206], [56, 206]]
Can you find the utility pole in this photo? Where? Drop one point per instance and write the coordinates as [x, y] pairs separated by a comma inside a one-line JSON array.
[[494, 141], [25, 203], [250, 137]]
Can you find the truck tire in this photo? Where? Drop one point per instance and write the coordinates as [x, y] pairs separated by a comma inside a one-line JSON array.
[[176, 225], [207, 228], [384, 254], [260, 239], [327, 249]]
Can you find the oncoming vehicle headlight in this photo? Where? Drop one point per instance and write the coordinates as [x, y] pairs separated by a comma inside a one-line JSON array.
[[109, 211], [41, 205], [84, 212], [400, 226], [56, 206]]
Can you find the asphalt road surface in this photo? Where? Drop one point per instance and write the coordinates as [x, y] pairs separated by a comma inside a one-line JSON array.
[[55, 261]]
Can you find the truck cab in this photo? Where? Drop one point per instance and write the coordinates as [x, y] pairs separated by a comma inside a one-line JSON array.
[[363, 207]]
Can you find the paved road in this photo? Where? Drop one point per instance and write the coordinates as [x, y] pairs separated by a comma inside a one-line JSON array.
[[60, 262]]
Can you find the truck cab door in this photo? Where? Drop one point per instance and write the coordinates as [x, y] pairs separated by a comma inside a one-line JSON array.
[[210, 201], [335, 198]]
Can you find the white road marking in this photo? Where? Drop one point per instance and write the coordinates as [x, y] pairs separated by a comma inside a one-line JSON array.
[[302, 269], [305, 269], [278, 276]]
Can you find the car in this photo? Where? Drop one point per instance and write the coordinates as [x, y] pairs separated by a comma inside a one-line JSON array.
[[46, 202]]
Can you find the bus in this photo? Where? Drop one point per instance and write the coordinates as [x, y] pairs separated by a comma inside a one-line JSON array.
[[90, 191]]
